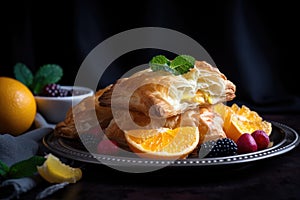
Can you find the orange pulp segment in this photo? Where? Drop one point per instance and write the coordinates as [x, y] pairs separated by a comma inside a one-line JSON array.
[[240, 120], [163, 143]]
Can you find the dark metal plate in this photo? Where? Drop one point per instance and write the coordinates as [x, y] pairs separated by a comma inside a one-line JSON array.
[[283, 138]]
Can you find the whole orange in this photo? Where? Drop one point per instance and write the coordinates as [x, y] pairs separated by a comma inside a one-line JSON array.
[[17, 106]]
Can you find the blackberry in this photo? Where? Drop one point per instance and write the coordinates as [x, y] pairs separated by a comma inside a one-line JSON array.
[[220, 148], [54, 90], [90, 142]]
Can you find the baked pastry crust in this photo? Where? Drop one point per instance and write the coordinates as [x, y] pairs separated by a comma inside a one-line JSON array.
[[161, 94], [150, 99], [84, 116]]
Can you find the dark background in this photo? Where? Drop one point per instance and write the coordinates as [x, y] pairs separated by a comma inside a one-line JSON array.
[[255, 45]]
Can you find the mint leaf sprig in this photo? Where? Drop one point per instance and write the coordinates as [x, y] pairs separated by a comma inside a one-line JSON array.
[[21, 169], [46, 74], [180, 65]]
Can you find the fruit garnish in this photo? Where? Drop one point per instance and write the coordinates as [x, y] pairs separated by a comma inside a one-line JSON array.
[[46, 74], [55, 90], [219, 148], [239, 120], [261, 138], [163, 143], [18, 106], [180, 65], [246, 144], [54, 171], [107, 147]]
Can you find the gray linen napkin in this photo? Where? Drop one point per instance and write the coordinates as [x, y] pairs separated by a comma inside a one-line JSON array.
[[15, 149]]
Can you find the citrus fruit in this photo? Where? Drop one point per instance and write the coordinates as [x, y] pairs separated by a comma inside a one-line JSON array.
[[54, 171], [18, 106], [163, 143], [240, 120]]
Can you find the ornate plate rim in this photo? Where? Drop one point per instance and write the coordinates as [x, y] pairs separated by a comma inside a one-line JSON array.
[[290, 141]]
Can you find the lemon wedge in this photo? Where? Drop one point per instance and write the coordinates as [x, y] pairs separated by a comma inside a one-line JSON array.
[[54, 171]]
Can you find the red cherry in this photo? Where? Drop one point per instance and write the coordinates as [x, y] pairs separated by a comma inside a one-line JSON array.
[[261, 138], [246, 144], [107, 147]]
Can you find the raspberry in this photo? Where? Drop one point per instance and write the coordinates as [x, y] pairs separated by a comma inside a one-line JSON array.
[[261, 138], [108, 147], [246, 144], [220, 148]]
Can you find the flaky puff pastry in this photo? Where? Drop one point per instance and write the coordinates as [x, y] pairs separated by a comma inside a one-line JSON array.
[[161, 94], [210, 124], [159, 97], [82, 117]]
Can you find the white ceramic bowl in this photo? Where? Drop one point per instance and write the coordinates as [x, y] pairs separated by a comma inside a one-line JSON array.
[[54, 109]]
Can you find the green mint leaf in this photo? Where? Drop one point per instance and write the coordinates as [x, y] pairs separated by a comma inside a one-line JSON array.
[[159, 62], [182, 63], [38, 84], [3, 169], [23, 74], [26, 168], [46, 74]]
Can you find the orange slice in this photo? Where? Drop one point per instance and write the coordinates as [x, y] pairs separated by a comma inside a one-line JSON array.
[[240, 120], [163, 143]]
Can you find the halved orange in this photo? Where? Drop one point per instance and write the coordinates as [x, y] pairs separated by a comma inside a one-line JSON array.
[[163, 143], [240, 120]]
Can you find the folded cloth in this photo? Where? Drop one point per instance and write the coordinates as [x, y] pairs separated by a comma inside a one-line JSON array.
[[39, 122], [12, 188], [17, 148]]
